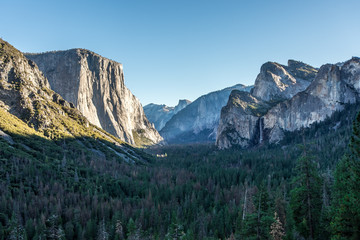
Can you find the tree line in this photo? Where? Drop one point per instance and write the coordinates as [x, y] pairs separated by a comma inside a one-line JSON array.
[[273, 192]]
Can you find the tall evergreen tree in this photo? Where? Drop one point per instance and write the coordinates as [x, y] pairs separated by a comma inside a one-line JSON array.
[[257, 224], [306, 197], [16, 230], [175, 232], [102, 233], [119, 231], [345, 223], [54, 229]]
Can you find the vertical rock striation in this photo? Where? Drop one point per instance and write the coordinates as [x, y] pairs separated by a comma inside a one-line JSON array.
[[276, 82], [198, 122], [333, 87], [96, 86], [244, 121], [239, 121]]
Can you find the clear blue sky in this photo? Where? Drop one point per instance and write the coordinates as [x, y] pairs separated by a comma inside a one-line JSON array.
[[176, 49]]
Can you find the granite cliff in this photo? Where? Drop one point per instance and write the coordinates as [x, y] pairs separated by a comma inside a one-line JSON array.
[[242, 119], [333, 87], [96, 87], [239, 122], [199, 120], [159, 115], [35, 119], [277, 82]]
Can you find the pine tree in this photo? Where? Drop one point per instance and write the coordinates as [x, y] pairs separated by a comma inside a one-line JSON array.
[[16, 230], [136, 235], [345, 222], [119, 231], [76, 176], [54, 229], [306, 197], [257, 224], [131, 227], [277, 231], [134, 230], [176, 231], [60, 234], [30, 228], [102, 233], [69, 230]]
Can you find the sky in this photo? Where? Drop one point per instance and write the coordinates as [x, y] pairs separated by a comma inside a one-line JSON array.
[[174, 49]]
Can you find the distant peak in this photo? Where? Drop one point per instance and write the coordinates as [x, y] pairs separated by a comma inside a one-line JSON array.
[[297, 64], [355, 59], [184, 101], [271, 66]]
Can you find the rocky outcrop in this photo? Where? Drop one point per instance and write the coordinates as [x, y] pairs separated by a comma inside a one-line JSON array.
[[96, 86], [333, 86], [181, 105], [31, 114], [239, 122], [23, 88], [276, 82], [159, 115], [198, 121]]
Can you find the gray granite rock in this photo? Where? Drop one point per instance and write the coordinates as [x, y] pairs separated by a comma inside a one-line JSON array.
[[333, 87], [198, 122], [96, 86], [276, 82], [242, 121], [159, 115]]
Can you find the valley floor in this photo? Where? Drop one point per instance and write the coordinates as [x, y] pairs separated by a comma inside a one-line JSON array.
[[188, 192]]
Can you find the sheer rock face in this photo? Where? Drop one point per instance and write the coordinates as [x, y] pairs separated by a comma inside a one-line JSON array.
[[96, 86], [333, 87], [276, 82], [159, 115], [23, 87], [31, 111], [239, 121], [26, 94], [198, 121]]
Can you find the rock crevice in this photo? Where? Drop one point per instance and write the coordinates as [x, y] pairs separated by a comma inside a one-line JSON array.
[[96, 86], [252, 118]]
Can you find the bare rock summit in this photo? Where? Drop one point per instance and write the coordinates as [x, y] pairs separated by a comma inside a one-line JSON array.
[[96, 86], [243, 119]]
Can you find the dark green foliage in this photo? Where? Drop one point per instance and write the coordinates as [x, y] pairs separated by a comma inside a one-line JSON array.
[[345, 207], [15, 230], [175, 231], [306, 199], [196, 192], [257, 224]]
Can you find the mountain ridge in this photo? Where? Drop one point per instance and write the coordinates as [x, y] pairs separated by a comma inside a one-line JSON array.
[[332, 87], [326, 94], [29, 108], [97, 88], [160, 114], [198, 121]]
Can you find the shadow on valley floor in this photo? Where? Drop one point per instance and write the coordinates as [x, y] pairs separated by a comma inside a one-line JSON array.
[[84, 187]]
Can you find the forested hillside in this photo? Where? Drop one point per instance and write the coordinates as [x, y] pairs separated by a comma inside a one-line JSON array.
[[63, 178], [188, 192]]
